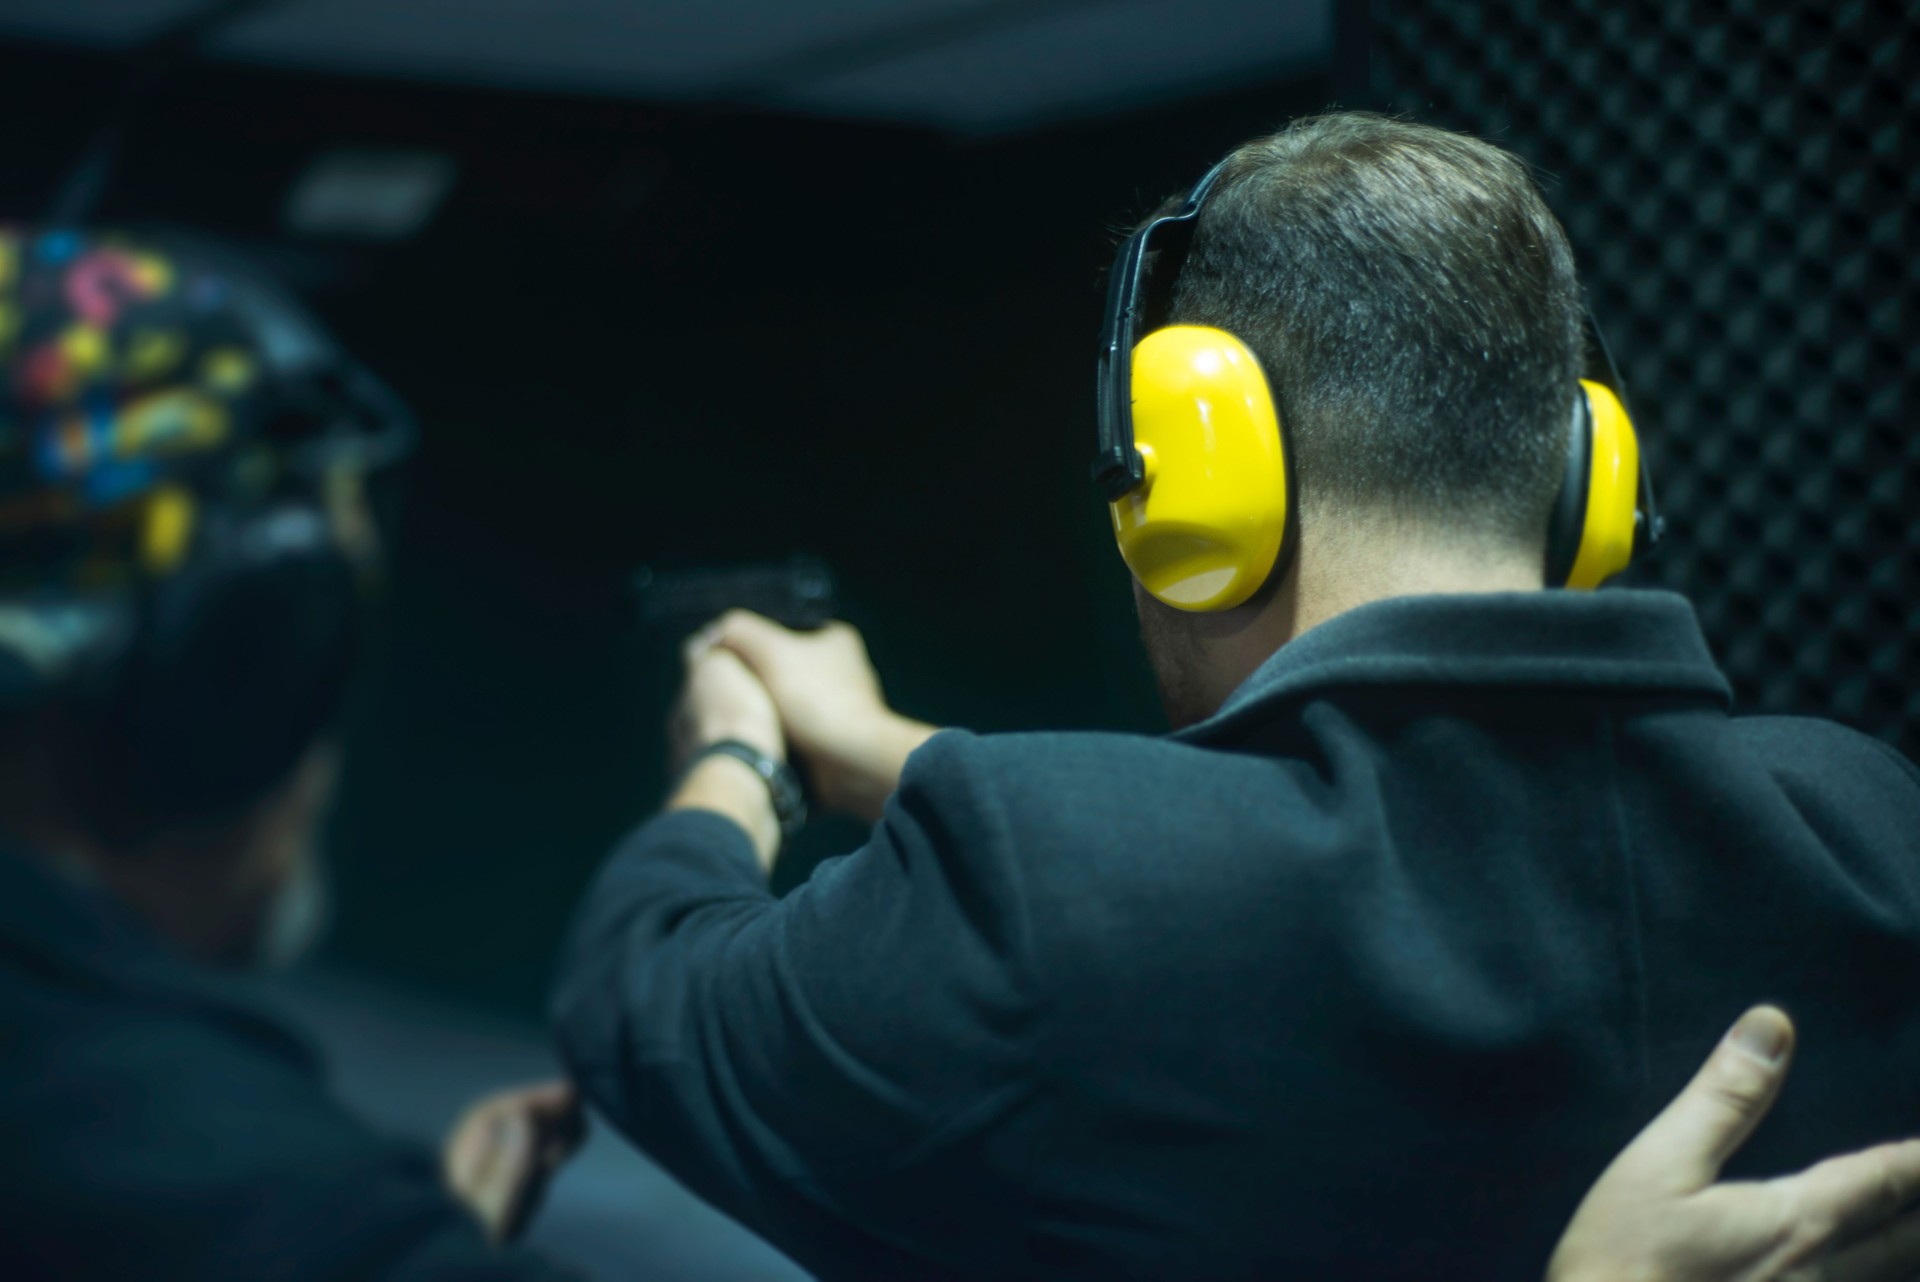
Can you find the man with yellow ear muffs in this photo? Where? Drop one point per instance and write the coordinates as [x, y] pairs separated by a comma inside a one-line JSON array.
[[1193, 453], [1420, 912]]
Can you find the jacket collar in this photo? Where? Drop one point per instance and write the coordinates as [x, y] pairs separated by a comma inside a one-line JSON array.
[[1625, 642]]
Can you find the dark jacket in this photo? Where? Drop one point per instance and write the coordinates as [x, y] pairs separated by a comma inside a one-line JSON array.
[[154, 1124], [1368, 976]]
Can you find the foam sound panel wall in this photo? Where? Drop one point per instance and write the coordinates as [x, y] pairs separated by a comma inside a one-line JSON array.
[[1738, 179]]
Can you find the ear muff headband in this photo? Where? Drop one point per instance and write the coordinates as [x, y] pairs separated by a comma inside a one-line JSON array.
[[1118, 467]]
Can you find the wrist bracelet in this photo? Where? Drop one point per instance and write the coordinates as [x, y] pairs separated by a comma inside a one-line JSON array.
[[783, 785]]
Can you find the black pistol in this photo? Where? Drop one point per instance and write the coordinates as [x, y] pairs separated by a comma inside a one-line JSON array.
[[796, 593]]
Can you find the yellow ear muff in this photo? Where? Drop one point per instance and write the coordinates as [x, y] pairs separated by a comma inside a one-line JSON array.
[[1203, 530], [1606, 532]]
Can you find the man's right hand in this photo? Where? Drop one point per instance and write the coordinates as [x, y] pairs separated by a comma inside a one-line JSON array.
[[850, 743]]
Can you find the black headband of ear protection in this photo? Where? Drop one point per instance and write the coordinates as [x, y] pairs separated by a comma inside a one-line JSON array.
[[1117, 466]]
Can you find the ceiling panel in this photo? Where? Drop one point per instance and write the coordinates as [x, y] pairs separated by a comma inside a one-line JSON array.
[[964, 65], [629, 47], [1081, 60], [94, 22]]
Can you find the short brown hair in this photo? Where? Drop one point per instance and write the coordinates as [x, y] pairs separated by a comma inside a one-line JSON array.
[[1413, 302]]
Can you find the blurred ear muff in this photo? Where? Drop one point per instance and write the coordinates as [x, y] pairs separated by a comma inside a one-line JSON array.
[[1205, 526], [238, 661], [1596, 515], [166, 531]]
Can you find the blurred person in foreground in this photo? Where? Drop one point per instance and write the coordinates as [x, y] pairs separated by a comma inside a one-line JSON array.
[[1407, 927], [184, 546]]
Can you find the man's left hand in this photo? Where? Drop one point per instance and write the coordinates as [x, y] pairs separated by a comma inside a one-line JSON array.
[[852, 745], [723, 700]]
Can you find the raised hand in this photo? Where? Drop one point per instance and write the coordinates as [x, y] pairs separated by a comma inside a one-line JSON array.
[[851, 744]]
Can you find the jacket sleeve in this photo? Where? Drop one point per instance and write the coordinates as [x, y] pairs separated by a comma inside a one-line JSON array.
[[839, 1069]]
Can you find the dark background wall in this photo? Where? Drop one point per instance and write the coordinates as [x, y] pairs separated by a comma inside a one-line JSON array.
[[643, 336], [1739, 182]]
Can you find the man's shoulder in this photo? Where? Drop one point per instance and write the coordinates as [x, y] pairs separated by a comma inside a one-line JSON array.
[[1138, 816], [1836, 777], [1807, 755], [1816, 744], [1078, 776], [1093, 758]]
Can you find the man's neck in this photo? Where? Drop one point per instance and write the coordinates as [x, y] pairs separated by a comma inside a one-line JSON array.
[[1330, 586], [1334, 575]]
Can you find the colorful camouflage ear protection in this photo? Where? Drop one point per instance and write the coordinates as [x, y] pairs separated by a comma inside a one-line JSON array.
[[1195, 463], [174, 436]]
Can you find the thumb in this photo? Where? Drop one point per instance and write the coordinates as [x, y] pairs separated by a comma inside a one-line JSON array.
[[504, 1167], [1689, 1142], [751, 636]]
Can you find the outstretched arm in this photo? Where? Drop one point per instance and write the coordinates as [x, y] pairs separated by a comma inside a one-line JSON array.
[[813, 1065]]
